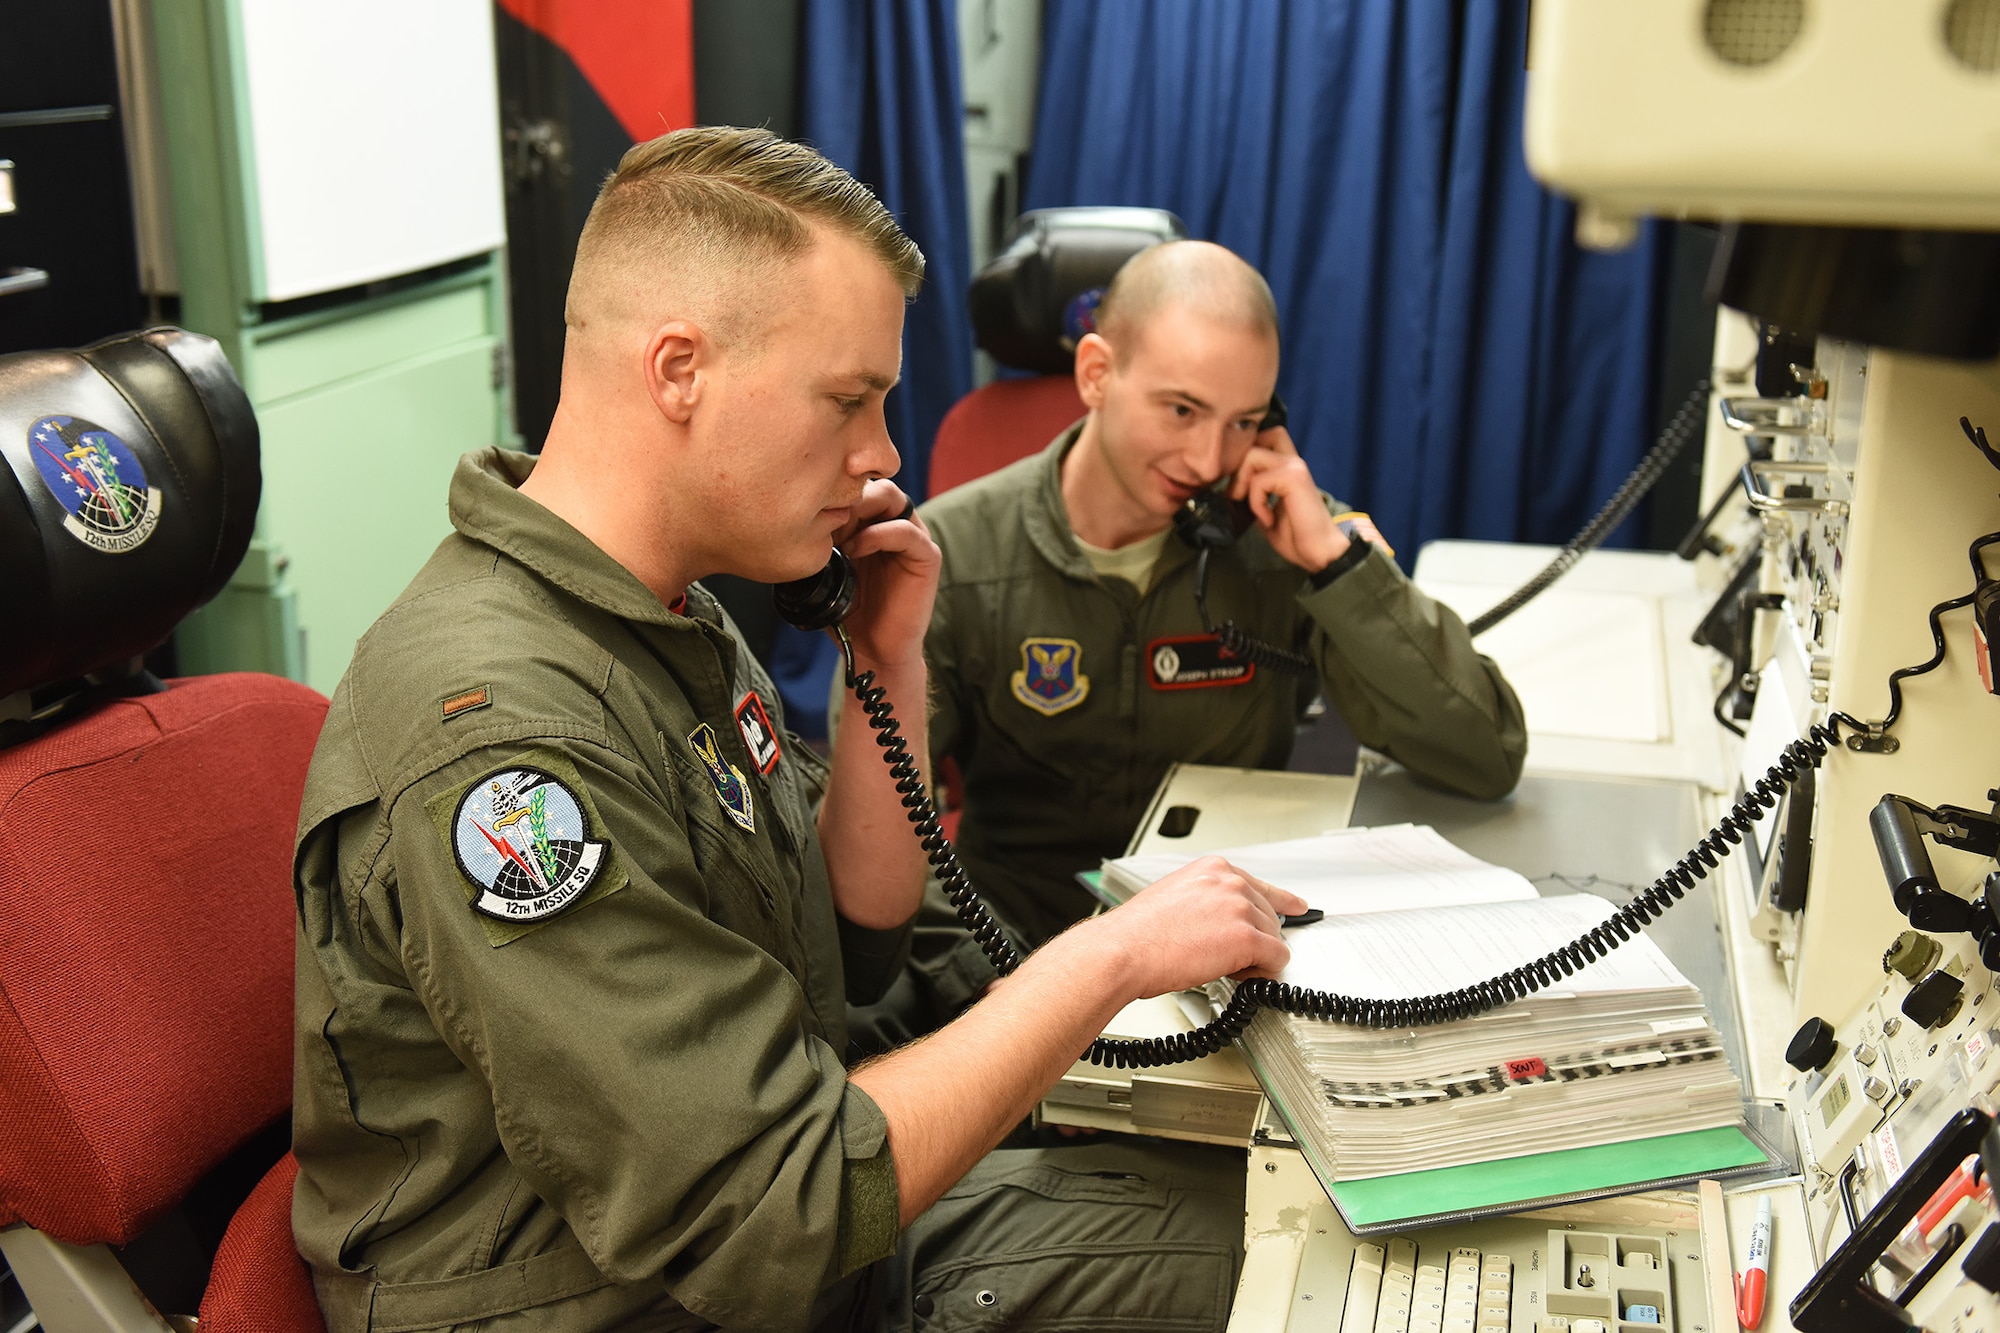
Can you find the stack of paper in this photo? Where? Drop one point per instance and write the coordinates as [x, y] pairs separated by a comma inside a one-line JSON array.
[[1620, 1050]]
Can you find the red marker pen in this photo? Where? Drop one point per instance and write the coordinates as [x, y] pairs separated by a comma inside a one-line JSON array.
[[1756, 1269]]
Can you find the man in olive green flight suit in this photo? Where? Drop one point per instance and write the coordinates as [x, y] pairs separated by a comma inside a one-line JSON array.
[[1069, 666], [578, 915]]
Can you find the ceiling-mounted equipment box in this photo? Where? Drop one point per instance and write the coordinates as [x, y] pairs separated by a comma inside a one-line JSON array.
[[1851, 111]]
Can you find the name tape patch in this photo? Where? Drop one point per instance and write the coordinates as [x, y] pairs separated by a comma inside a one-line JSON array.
[[1195, 662]]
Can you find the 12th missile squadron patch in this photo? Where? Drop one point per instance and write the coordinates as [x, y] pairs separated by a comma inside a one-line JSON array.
[[522, 837]]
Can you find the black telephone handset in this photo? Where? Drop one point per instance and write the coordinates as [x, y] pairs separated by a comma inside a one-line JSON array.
[[821, 601], [1210, 520]]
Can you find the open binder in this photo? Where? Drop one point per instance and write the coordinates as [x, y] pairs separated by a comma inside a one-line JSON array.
[[1613, 1081]]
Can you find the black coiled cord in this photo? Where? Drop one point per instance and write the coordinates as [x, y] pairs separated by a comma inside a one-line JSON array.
[[1679, 430], [1240, 642], [972, 913], [1261, 993]]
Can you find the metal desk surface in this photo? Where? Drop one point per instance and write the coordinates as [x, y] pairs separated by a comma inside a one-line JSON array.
[[1603, 835]]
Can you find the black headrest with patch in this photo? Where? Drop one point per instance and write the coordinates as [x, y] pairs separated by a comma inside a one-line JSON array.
[[1039, 294], [127, 500]]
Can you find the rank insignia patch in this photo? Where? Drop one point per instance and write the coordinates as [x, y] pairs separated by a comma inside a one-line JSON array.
[[760, 738], [1051, 678], [521, 837], [1194, 662], [731, 789], [98, 480]]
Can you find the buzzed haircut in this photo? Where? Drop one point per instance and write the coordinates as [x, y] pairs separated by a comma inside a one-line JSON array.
[[1196, 275], [723, 207]]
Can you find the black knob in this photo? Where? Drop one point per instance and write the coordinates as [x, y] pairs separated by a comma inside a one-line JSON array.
[[1981, 1261], [1812, 1046], [1933, 1000]]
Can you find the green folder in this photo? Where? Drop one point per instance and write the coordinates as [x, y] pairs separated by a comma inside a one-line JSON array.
[[1539, 1180]]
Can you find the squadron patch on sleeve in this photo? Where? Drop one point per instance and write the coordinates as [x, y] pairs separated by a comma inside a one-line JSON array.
[[1194, 662], [732, 790], [760, 738], [521, 837], [1051, 678]]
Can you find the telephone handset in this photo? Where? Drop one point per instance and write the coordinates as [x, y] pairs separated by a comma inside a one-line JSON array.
[[1211, 521], [822, 600]]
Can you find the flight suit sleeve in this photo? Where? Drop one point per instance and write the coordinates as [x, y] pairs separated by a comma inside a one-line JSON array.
[[1402, 670], [652, 1074]]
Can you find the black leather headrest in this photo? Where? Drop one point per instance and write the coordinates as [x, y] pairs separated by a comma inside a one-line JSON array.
[[1039, 294], [127, 500]]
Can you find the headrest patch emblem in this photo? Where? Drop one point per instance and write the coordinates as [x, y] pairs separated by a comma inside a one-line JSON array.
[[97, 479]]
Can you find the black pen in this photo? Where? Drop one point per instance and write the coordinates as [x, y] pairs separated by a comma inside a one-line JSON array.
[[1305, 918]]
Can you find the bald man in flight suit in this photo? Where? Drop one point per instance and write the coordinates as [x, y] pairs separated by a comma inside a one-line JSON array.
[[578, 915], [1069, 664]]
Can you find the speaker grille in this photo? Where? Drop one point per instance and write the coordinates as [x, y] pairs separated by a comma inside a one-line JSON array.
[[1753, 32], [1972, 32]]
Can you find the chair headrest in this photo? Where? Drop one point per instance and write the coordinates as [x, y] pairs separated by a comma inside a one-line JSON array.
[[127, 500], [1039, 295]]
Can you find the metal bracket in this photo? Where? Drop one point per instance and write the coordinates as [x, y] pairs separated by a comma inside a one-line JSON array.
[[1764, 502]]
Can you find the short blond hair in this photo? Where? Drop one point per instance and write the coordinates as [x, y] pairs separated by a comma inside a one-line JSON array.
[[734, 205], [1214, 282]]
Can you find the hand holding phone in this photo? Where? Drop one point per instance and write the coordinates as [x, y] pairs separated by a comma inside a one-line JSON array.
[[1277, 488], [880, 581]]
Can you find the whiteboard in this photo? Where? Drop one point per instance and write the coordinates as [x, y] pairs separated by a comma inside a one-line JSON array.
[[372, 139]]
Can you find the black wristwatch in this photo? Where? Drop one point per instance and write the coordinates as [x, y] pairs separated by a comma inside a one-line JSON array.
[[1357, 551]]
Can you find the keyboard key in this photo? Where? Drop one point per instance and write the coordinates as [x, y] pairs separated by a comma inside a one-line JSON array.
[[1364, 1284], [1642, 1314]]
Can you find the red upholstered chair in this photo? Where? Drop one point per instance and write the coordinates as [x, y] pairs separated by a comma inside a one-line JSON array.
[[998, 423], [146, 948]]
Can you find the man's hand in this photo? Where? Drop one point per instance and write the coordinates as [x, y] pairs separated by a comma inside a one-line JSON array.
[[898, 566], [1206, 920], [1279, 489]]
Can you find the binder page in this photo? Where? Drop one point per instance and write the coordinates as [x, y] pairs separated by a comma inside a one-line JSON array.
[[1347, 871], [1402, 955]]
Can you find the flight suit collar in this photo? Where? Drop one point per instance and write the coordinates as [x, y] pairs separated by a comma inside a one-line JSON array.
[[487, 506], [1048, 527]]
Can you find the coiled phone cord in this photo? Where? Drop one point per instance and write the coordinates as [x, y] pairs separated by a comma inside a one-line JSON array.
[[1679, 430], [916, 800], [1240, 642], [1261, 993]]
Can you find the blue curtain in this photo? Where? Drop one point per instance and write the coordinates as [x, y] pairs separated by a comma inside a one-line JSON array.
[[880, 95], [1452, 362]]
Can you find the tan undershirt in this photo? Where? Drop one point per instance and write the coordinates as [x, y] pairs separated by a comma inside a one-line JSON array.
[[1132, 563]]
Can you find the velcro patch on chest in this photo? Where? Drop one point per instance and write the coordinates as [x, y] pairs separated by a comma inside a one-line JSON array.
[[1195, 662], [732, 790], [1051, 678], [760, 737]]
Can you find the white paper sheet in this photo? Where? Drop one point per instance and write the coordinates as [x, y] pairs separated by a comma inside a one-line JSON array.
[[1392, 868]]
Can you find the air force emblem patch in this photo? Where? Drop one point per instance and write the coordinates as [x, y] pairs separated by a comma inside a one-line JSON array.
[[521, 837], [98, 480], [1051, 678], [731, 790]]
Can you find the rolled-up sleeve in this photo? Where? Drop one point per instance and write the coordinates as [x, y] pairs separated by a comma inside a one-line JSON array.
[[652, 1071]]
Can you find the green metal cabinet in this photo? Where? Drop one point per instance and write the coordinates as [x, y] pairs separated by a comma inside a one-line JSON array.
[[366, 397]]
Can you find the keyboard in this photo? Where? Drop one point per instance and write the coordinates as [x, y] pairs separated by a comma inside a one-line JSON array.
[[1522, 1274], [1390, 1290]]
